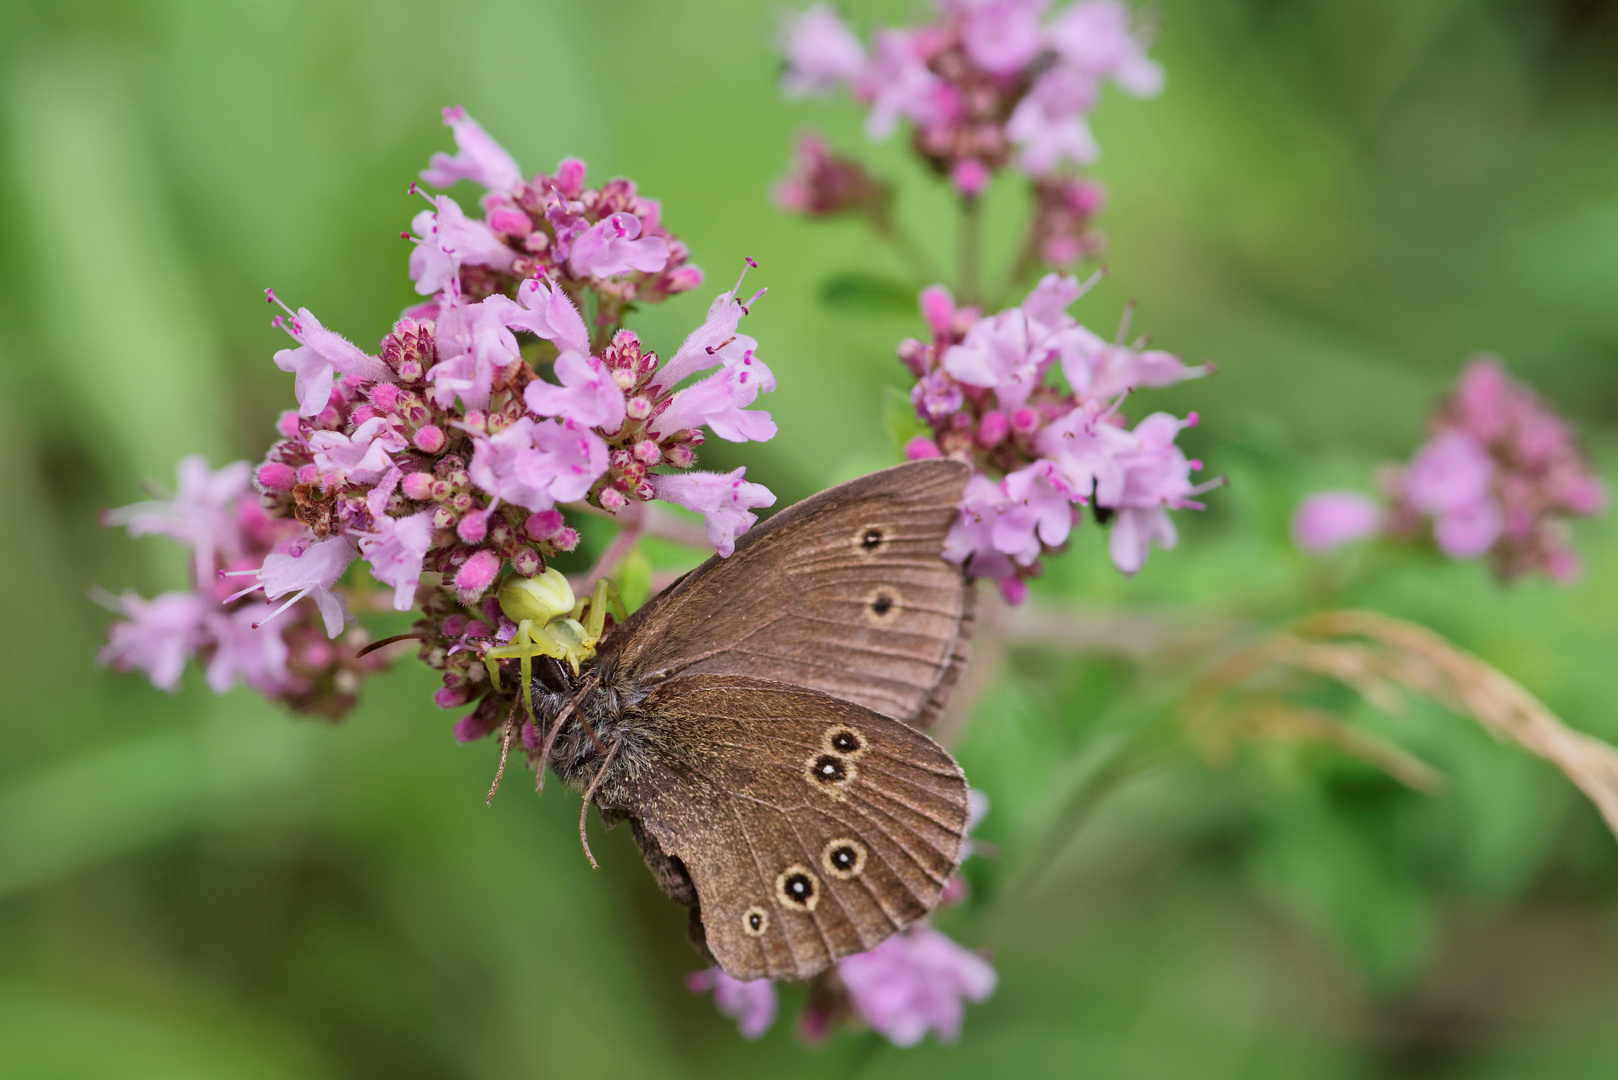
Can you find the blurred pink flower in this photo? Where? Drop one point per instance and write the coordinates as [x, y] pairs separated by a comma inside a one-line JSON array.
[[202, 514], [821, 52], [751, 1004], [159, 636], [245, 650], [916, 981], [1327, 520]]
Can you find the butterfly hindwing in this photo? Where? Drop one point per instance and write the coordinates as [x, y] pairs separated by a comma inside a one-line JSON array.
[[808, 827]]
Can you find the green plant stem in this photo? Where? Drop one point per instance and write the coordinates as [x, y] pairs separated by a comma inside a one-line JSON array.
[[889, 231], [971, 252]]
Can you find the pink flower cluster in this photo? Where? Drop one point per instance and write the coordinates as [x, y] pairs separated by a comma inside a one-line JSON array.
[[608, 240], [289, 659], [1042, 452], [916, 981], [822, 183], [446, 458], [1500, 477], [989, 83]]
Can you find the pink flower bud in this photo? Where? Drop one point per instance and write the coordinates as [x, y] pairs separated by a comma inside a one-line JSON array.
[[681, 279], [476, 575], [1024, 420], [286, 425], [308, 474], [430, 439], [447, 698], [992, 429], [472, 529], [509, 221], [530, 737], [1014, 589], [543, 525], [638, 408], [612, 500], [969, 177], [565, 539], [418, 486], [479, 722], [955, 890], [913, 355], [276, 476], [526, 561], [443, 517], [455, 626], [920, 448], [474, 420], [361, 414], [647, 453], [938, 308], [410, 370], [385, 396], [570, 177], [679, 455]]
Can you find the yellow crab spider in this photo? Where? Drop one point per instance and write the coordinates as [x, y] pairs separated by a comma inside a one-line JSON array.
[[550, 622]]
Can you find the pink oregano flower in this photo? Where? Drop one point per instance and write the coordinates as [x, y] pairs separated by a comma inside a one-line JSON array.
[[282, 654], [984, 385], [989, 83], [446, 462], [1501, 477]]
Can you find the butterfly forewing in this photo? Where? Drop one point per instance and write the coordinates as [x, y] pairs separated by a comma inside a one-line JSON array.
[[845, 593], [809, 826]]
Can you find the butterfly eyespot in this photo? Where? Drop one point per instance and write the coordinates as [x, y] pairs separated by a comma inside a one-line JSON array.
[[869, 540], [755, 921], [832, 773], [844, 858], [798, 888], [844, 740], [883, 606]]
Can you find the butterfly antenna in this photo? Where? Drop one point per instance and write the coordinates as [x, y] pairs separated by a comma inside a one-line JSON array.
[[590, 731], [589, 793], [505, 748]]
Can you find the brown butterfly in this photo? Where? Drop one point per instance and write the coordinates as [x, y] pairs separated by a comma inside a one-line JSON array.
[[758, 722]]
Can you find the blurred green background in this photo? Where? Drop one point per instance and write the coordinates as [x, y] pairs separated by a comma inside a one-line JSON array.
[[1335, 201]]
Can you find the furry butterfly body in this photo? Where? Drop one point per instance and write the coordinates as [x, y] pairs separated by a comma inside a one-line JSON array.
[[758, 725]]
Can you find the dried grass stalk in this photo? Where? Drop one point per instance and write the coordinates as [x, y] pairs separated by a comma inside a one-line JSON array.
[[1383, 658]]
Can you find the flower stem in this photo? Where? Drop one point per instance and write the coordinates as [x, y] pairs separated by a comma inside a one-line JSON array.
[[971, 252], [889, 231]]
